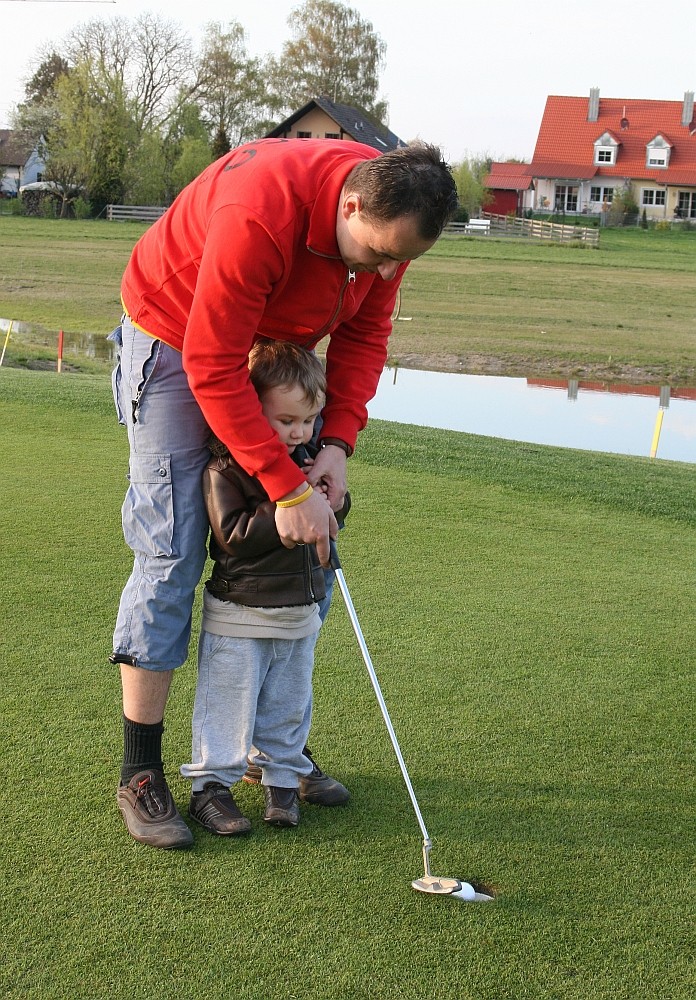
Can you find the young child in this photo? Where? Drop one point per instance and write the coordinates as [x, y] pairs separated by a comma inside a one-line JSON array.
[[260, 615]]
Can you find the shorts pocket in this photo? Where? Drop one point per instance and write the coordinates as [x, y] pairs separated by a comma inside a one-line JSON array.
[[116, 338], [148, 510]]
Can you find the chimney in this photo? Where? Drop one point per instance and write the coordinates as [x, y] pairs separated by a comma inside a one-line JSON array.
[[593, 105], [688, 108]]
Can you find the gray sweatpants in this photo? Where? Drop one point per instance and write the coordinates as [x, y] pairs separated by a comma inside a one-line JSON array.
[[251, 692]]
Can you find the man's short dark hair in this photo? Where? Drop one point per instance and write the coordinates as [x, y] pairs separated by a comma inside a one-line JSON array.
[[411, 180]]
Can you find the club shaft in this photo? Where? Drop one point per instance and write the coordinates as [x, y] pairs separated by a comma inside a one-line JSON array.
[[343, 586]]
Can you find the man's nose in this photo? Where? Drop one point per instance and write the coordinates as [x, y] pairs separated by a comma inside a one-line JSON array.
[[388, 269]]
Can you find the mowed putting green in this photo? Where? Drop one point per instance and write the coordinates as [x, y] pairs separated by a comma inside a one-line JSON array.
[[529, 612]]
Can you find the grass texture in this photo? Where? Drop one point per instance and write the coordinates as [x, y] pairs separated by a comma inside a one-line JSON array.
[[536, 308], [530, 614]]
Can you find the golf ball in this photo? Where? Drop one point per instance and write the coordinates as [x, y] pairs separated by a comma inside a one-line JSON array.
[[466, 892]]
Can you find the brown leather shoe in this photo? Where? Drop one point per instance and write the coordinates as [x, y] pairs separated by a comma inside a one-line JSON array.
[[149, 813], [215, 809], [282, 806]]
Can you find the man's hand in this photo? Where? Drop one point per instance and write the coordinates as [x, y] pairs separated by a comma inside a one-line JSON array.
[[309, 522], [329, 469]]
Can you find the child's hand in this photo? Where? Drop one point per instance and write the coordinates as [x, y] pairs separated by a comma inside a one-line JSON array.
[[319, 487]]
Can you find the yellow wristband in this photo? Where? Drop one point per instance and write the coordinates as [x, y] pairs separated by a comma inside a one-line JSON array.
[[295, 500]]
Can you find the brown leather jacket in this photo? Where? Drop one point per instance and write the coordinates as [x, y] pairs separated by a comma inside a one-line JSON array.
[[252, 566]]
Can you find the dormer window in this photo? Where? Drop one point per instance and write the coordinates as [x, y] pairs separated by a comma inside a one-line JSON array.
[[605, 150], [657, 153]]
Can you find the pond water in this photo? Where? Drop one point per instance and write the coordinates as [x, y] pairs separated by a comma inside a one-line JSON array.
[[586, 415]]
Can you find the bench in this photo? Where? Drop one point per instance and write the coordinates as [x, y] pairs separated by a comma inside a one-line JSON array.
[[477, 226]]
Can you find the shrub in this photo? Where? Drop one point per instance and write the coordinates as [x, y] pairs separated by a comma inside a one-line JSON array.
[[82, 208]]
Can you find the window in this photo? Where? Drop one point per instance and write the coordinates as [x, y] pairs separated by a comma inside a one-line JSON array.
[[686, 206], [657, 153], [304, 135], [653, 197], [566, 198], [605, 150], [332, 135], [601, 194]]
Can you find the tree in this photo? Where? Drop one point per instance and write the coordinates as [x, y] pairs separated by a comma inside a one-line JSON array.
[[147, 61], [57, 125], [185, 129], [333, 52], [147, 171], [105, 102], [468, 176], [231, 87], [221, 144], [42, 84], [195, 157]]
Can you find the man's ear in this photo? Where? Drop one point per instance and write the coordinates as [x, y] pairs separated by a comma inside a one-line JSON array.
[[351, 204]]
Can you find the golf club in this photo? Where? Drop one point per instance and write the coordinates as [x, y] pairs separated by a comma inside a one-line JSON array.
[[428, 883]]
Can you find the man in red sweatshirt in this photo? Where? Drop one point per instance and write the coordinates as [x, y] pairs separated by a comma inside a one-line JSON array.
[[295, 240]]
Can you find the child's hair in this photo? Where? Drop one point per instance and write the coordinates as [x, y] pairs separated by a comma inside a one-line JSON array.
[[274, 363]]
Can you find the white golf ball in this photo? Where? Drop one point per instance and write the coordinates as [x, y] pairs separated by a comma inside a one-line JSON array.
[[466, 892]]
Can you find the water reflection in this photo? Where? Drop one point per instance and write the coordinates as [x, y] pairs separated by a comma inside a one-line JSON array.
[[587, 415], [89, 345]]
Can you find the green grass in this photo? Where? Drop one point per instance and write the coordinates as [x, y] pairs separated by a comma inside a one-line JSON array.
[[550, 308], [530, 614], [506, 306]]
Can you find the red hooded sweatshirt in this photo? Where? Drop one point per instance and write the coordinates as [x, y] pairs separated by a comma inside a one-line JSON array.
[[249, 249]]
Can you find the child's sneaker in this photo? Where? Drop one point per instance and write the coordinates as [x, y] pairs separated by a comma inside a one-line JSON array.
[[317, 788], [215, 809], [282, 806]]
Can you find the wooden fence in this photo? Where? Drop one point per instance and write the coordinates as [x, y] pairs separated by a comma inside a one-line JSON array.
[[134, 213], [536, 229]]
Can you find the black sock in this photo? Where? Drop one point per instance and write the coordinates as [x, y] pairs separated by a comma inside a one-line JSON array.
[[142, 748]]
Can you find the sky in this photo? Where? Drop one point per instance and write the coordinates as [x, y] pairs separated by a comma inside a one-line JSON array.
[[471, 78]]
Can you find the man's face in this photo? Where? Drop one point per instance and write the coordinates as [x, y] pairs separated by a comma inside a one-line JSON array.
[[290, 414], [376, 247]]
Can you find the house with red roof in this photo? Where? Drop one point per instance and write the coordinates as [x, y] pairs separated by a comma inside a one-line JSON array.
[[511, 188], [590, 148]]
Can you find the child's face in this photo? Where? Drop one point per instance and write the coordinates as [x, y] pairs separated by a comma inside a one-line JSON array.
[[289, 413]]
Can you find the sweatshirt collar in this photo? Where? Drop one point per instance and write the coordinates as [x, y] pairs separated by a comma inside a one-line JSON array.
[[321, 235]]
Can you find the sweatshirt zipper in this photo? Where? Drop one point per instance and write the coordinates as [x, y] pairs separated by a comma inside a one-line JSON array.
[[349, 279]]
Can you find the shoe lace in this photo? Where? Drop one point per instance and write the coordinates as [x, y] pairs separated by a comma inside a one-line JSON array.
[[152, 792], [316, 770]]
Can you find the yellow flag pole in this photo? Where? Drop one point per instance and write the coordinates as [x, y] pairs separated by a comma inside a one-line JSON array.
[[4, 346]]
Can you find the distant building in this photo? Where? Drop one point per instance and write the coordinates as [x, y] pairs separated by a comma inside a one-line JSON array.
[[322, 118], [510, 186], [588, 149], [20, 163]]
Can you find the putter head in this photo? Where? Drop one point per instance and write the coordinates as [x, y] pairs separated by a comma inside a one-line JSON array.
[[451, 887]]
